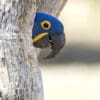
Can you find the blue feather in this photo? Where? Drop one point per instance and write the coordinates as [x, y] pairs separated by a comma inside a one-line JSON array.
[[56, 26]]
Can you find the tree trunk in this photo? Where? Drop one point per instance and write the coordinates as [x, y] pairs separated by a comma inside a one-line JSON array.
[[20, 76], [53, 7]]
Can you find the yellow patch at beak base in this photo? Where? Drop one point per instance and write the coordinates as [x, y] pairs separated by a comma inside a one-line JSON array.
[[38, 37]]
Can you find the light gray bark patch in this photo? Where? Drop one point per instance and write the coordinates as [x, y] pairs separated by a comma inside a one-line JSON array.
[[53, 7]]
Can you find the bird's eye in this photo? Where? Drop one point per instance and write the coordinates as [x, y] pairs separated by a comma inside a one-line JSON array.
[[46, 25]]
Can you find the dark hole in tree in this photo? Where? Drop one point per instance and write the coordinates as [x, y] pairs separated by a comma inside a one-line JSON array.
[[0, 94]]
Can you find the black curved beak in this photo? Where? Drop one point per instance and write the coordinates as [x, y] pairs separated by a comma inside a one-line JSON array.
[[57, 43]]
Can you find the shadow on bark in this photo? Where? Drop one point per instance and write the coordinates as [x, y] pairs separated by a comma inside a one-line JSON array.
[[75, 53]]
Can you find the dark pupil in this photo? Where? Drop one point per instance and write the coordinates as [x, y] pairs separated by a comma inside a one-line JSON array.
[[46, 25]]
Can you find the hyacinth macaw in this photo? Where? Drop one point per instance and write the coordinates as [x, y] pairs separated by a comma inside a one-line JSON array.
[[48, 30]]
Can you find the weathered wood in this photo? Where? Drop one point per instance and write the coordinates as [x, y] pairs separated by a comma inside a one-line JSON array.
[[53, 7], [20, 76]]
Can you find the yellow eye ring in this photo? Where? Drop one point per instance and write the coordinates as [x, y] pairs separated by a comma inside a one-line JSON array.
[[46, 25]]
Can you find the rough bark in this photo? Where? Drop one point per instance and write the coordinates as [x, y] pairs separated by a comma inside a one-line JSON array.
[[53, 7], [20, 76]]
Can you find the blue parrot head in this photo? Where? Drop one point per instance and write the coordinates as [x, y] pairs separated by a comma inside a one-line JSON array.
[[48, 30]]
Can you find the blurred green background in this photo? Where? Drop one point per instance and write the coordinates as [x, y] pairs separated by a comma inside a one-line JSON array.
[[75, 73]]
